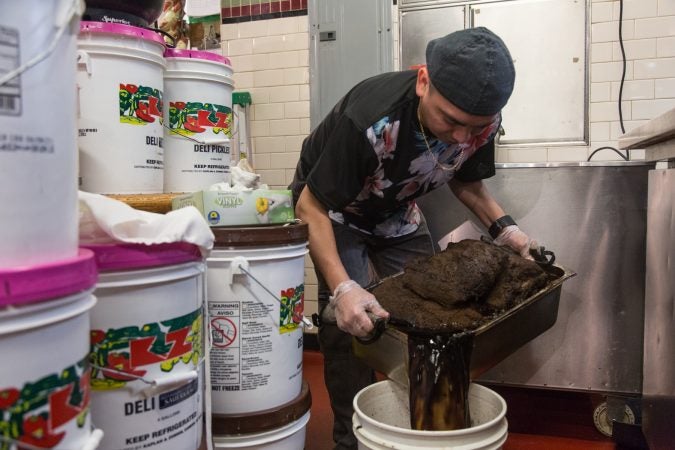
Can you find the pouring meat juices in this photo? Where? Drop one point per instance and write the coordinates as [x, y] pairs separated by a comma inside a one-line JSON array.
[[457, 314]]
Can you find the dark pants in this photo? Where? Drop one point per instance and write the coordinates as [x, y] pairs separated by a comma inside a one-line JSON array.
[[367, 259]]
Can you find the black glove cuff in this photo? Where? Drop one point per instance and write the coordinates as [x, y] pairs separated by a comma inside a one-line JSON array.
[[499, 224]]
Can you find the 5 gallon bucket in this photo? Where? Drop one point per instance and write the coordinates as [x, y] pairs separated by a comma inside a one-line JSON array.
[[280, 428], [44, 343], [255, 302], [382, 421], [198, 105], [120, 80], [147, 352], [38, 142]]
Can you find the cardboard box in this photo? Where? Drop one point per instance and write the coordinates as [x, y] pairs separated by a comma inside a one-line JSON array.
[[230, 208]]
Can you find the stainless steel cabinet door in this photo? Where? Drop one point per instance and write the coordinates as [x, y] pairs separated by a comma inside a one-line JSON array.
[[418, 27], [547, 40]]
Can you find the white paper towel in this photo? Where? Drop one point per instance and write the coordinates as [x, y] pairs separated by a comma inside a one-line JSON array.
[[242, 177], [104, 220]]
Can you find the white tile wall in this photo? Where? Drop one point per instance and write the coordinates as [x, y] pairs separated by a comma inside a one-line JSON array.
[[637, 49], [601, 52], [600, 92], [634, 9], [632, 90], [649, 86], [664, 88], [666, 8], [567, 153], [665, 47], [601, 12], [271, 60], [600, 131], [647, 32]]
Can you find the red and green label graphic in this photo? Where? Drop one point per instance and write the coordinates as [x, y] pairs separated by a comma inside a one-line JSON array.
[[292, 307], [126, 351], [140, 105], [189, 118], [35, 413]]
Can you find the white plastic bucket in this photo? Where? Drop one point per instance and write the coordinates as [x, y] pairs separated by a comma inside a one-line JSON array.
[[382, 421], [256, 344], [147, 378], [198, 109], [288, 437], [120, 81], [277, 428], [44, 341], [38, 143]]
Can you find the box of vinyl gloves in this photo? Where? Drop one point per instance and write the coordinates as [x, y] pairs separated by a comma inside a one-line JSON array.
[[231, 208], [241, 201]]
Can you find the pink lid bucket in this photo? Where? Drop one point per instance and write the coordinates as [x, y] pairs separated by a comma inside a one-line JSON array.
[[119, 257], [33, 284], [196, 54], [118, 28]]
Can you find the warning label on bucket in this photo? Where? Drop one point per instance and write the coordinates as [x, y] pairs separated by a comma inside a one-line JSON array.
[[223, 331], [242, 345], [225, 319]]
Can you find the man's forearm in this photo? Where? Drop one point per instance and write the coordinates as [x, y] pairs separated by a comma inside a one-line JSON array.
[[475, 196], [322, 247]]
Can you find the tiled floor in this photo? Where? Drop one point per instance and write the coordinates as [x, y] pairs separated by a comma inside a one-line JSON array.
[[553, 434]]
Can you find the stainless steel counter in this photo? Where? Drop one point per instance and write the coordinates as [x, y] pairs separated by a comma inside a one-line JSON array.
[[593, 216], [657, 138], [658, 403]]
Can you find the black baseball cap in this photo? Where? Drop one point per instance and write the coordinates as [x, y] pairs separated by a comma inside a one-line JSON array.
[[472, 69]]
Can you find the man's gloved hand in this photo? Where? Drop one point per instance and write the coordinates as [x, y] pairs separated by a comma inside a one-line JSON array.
[[351, 302], [513, 237]]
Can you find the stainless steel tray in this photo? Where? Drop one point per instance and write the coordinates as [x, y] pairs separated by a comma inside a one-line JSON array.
[[491, 342]]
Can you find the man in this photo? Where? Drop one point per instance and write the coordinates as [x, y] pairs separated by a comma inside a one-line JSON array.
[[392, 138]]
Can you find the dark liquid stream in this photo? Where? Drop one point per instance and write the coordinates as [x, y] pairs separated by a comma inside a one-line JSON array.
[[439, 381]]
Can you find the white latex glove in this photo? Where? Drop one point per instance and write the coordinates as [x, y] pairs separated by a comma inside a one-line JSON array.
[[513, 237], [351, 302]]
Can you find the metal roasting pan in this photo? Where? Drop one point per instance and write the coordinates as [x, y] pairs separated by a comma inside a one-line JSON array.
[[491, 342]]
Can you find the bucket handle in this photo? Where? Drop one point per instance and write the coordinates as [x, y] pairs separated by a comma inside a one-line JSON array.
[[94, 440], [239, 265], [91, 443], [67, 13], [84, 59]]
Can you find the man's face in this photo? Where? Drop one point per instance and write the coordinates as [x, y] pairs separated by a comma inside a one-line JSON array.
[[446, 121]]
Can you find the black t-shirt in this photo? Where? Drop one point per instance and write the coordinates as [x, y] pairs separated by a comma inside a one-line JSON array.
[[367, 161]]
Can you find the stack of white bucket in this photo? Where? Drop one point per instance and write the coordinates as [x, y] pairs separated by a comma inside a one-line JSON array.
[[147, 346], [46, 282], [152, 120], [255, 306]]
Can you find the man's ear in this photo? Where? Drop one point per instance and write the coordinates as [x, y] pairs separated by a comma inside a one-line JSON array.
[[422, 85]]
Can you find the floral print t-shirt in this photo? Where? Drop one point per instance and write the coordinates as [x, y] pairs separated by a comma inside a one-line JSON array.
[[367, 161]]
